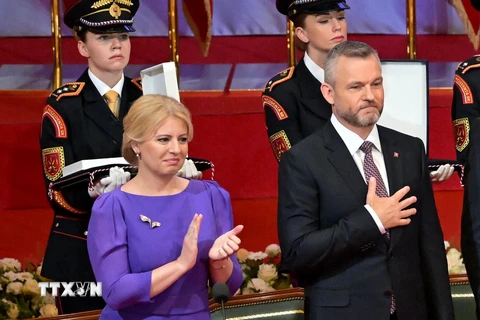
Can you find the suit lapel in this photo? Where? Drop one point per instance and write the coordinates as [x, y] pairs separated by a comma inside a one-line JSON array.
[[343, 162], [97, 110], [394, 166]]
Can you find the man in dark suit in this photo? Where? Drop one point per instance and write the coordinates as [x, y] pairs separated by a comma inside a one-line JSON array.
[[361, 251]]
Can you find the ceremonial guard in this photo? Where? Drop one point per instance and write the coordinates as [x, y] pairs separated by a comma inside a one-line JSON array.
[[83, 120], [466, 119], [293, 104]]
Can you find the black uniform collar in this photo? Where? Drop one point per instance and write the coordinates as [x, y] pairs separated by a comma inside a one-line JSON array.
[[309, 85]]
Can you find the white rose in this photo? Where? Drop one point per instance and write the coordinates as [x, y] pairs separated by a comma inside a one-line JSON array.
[[257, 255], [10, 275], [12, 264], [14, 287], [267, 272], [49, 310], [454, 258], [23, 276], [259, 285], [460, 269], [13, 311], [1, 289], [273, 250], [446, 244], [30, 287]]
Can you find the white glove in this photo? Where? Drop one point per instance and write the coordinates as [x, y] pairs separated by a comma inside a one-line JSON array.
[[443, 172], [189, 171], [116, 178]]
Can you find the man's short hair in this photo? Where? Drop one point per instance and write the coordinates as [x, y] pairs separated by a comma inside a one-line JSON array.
[[349, 49]]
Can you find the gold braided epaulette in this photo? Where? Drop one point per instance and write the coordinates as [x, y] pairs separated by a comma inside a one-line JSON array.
[[279, 78], [138, 83], [70, 89], [472, 63]]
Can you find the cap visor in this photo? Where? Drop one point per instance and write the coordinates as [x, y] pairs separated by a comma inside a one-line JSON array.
[[112, 29], [323, 8]]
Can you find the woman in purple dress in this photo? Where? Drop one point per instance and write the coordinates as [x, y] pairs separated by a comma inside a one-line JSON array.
[[157, 241]]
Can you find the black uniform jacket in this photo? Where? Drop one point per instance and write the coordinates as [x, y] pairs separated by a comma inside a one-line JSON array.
[[294, 107], [77, 125], [466, 120]]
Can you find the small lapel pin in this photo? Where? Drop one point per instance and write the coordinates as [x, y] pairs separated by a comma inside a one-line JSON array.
[[395, 154], [152, 224]]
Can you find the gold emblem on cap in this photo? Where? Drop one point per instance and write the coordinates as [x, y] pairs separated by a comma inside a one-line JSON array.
[[115, 11], [101, 3]]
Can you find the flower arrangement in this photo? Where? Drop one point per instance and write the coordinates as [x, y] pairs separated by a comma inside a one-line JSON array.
[[454, 260], [20, 294], [261, 270]]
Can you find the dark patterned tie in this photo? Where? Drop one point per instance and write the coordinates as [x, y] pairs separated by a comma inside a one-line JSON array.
[[371, 170]]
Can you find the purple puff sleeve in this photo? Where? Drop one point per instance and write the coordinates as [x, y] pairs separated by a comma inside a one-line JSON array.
[[222, 207], [107, 248]]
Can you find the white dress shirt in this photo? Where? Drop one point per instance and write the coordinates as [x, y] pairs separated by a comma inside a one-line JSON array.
[[353, 143], [103, 88], [314, 68]]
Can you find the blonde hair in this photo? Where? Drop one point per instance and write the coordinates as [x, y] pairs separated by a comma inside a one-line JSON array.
[[146, 115]]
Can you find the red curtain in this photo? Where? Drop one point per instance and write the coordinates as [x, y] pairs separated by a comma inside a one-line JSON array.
[[199, 17]]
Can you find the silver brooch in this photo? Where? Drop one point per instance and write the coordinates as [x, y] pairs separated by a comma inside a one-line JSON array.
[[152, 224]]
